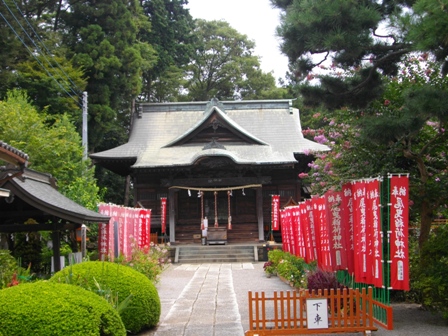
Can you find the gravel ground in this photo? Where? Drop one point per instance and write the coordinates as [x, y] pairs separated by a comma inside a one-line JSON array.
[[409, 319]]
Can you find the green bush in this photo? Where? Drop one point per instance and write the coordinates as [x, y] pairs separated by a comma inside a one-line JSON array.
[[432, 275], [292, 268], [275, 256], [8, 266], [44, 309], [148, 260], [144, 308]]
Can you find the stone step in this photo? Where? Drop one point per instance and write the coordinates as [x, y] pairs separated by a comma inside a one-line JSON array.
[[211, 254], [216, 260]]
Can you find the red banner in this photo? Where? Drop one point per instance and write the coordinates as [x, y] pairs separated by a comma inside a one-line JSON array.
[[347, 226], [360, 230], [399, 222], [291, 235], [275, 212], [163, 214], [312, 229], [374, 258], [322, 234], [283, 230], [304, 221], [300, 242], [335, 218]]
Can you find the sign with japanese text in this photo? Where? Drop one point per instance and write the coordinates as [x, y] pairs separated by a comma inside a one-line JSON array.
[[317, 313], [163, 213], [374, 244], [336, 230], [275, 220], [347, 225], [360, 230], [322, 233], [399, 222]]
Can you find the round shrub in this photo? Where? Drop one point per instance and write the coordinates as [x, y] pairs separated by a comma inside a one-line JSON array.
[[143, 310], [45, 308]]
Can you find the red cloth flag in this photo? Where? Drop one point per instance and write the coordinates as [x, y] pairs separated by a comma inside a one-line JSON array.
[[338, 241], [163, 214], [304, 221], [348, 225], [399, 223], [374, 259], [121, 229], [283, 230], [312, 229], [360, 230], [291, 238], [300, 242], [322, 233], [275, 212]]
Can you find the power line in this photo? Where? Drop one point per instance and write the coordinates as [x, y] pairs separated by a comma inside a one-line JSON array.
[[32, 53], [48, 51]]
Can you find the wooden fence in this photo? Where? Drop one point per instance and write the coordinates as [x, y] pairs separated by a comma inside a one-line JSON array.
[[292, 312]]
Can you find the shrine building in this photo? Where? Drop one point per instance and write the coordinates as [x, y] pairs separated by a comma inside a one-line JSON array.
[[219, 160]]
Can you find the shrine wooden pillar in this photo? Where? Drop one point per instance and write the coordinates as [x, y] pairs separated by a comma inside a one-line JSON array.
[[56, 239], [172, 215], [259, 197]]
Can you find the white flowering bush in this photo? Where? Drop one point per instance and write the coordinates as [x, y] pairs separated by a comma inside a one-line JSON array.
[[148, 260]]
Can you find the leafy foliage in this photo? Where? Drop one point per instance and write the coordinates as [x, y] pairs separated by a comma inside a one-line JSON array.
[[101, 37], [171, 37], [361, 40], [432, 279], [45, 308], [144, 309], [319, 279], [53, 145], [8, 267], [149, 260], [292, 268], [223, 65], [402, 132]]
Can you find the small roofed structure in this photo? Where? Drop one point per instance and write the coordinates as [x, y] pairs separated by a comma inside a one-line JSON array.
[[34, 204]]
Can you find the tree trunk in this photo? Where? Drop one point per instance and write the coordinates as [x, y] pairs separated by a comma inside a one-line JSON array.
[[425, 222]]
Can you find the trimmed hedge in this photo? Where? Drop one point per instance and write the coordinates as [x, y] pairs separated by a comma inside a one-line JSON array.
[[45, 309], [144, 308]]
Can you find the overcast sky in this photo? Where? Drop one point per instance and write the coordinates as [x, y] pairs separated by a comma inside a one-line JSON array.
[[254, 18]]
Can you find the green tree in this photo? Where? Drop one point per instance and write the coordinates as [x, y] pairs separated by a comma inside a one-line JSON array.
[[224, 65], [53, 145], [363, 39], [102, 39], [429, 28], [171, 37], [56, 86], [403, 132]]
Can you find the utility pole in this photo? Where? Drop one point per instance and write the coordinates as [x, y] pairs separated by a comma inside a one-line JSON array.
[[84, 124]]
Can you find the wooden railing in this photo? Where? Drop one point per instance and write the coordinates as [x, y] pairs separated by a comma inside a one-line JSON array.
[[291, 312]]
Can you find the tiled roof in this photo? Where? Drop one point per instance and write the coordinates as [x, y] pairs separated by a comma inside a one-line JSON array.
[[36, 189], [273, 125], [12, 155]]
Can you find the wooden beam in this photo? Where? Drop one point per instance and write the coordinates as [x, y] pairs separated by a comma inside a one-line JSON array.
[[216, 181], [13, 228]]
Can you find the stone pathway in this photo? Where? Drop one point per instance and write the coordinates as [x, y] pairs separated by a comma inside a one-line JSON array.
[[207, 305]]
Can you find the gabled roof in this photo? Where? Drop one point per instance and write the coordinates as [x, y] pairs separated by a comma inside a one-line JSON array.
[[264, 132], [213, 120], [38, 190]]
